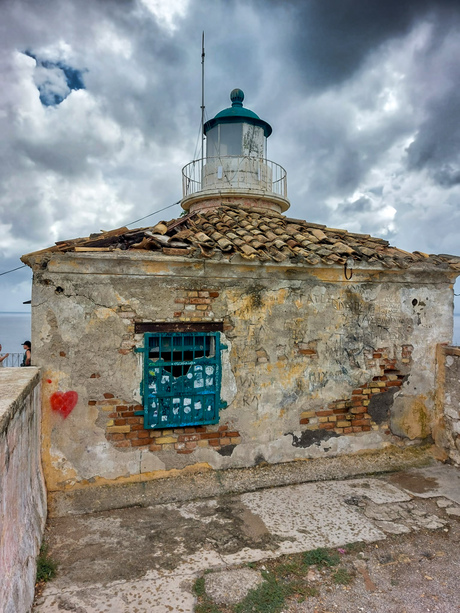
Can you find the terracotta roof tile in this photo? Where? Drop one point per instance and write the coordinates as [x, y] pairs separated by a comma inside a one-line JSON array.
[[231, 231]]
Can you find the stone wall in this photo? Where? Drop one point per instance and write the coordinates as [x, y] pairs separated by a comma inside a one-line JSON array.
[[22, 487], [315, 365], [448, 431]]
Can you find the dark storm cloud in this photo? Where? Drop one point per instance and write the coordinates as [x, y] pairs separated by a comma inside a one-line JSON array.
[[362, 96], [437, 144], [330, 39]]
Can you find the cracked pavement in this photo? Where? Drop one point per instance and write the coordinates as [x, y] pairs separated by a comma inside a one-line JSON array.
[[147, 559]]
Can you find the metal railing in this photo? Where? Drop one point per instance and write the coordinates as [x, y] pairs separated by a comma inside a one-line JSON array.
[[13, 359], [230, 172]]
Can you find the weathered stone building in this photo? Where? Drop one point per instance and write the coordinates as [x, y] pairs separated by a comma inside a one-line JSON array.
[[232, 336]]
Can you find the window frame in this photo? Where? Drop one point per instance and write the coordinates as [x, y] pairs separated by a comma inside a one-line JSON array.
[[165, 395]]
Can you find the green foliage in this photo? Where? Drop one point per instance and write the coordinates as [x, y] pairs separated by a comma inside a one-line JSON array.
[[198, 587], [321, 557], [268, 597], [46, 566], [342, 577]]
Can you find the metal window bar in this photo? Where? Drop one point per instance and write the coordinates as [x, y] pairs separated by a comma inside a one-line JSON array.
[[182, 379]]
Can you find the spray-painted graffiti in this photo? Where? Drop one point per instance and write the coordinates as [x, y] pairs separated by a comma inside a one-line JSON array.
[[63, 402]]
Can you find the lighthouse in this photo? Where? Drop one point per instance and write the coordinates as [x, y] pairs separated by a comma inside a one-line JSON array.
[[236, 169]]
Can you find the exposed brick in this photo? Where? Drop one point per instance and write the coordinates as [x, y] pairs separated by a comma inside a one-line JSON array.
[[348, 430], [185, 438], [213, 442], [202, 307], [180, 300], [123, 444], [305, 414], [179, 446], [95, 375], [198, 429], [137, 427], [190, 445], [131, 435], [143, 434], [116, 437], [356, 410], [225, 441], [120, 422], [340, 424], [236, 440], [185, 451], [356, 392], [134, 420], [323, 413], [357, 429], [213, 294], [117, 429], [326, 426], [192, 294], [366, 428], [339, 411], [304, 421], [127, 414], [108, 395], [177, 313], [155, 447], [92, 403], [209, 435], [222, 428], [203, 294], [359, 422], [163, 440], [140, 443]]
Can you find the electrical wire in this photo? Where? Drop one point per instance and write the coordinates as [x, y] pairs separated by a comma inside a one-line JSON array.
[[128, 224], [12, 270], [154, 213]]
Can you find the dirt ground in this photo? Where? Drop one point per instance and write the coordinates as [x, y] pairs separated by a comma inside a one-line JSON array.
[[390, 544], [405, 573]]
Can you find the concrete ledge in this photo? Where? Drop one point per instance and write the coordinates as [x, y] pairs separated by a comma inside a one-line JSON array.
[[15, 385], [232, 481]]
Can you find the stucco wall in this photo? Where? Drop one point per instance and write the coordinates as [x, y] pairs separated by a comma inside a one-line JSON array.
[[22, 487], [448, 431], [307, 352]]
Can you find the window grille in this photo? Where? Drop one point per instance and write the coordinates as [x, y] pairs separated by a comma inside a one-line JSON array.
[[182, 378]]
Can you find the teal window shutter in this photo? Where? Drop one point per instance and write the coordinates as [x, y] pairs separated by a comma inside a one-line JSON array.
[[182, 379]]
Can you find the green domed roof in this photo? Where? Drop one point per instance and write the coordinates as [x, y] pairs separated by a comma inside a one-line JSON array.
[[237, 114]]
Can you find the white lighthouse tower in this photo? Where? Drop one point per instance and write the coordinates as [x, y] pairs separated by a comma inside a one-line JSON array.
[[236, 169]]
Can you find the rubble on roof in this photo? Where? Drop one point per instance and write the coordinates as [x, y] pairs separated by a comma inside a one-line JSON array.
[[255, 235]]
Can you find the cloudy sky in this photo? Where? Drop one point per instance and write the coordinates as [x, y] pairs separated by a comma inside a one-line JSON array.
[[100, 109]]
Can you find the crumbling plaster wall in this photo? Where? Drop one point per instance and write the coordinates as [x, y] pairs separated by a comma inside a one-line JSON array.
[[298, 339], [22, 487], [447, 428]]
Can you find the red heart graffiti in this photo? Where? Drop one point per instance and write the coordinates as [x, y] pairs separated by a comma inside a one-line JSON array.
[[63, 402]]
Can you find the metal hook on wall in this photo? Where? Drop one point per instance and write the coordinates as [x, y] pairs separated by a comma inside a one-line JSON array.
[[348, 266]]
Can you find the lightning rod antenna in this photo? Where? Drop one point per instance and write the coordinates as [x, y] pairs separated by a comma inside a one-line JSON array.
[[202, 102]]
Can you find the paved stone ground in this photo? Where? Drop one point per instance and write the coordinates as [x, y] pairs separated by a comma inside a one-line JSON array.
[[147, 559]]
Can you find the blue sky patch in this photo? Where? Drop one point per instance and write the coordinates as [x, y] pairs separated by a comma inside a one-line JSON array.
[[55, 80]]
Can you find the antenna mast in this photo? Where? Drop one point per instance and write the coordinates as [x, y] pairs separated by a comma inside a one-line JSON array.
[[202, 102]]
